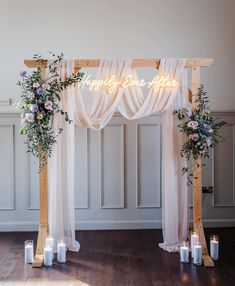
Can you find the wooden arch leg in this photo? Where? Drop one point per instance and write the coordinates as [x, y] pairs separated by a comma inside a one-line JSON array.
[[197, 180], [43, 226]]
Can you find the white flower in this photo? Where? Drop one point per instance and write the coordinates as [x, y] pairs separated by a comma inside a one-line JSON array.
[[29, 117], [36, 85], [192, 124]]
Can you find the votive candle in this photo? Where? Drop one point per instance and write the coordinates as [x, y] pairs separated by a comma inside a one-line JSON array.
[[28, 251], [214, 247]]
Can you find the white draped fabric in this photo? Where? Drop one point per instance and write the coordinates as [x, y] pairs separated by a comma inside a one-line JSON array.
[[132, 103]]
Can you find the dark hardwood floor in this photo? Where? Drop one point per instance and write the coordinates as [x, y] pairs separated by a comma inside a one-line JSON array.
[[119, 258]]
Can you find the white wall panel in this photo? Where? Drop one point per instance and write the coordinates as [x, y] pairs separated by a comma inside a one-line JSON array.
[[148, 165], [81, 168], [32, 183], [6, 167], [224, 167], [112, 166]]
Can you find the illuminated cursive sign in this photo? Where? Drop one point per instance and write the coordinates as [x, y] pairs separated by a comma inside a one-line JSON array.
[[111, 83]]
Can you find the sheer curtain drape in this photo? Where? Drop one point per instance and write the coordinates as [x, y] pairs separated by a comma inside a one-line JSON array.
[[132, 104]]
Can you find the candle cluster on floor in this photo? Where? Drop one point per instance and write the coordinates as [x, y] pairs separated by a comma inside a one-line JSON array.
[[48, 251], [196, 249]]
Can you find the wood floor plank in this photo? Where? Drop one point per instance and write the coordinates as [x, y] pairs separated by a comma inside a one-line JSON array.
[[116, 258]]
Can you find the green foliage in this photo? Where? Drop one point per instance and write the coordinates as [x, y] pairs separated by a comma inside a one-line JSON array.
[[201, 130], [39, 102]]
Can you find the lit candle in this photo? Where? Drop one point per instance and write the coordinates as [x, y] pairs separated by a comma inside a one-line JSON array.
[[28, 251], [197, 253], [50, 243], [194, 238], [47, 256], [61, 252], [214, 247], [184, 252]]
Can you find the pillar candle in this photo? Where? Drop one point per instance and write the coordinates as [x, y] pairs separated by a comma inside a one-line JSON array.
[[50, 243], [28, 251], [194, 238], [214, 247], [184, 252], [197, 253], [47, 256], [61, 252]]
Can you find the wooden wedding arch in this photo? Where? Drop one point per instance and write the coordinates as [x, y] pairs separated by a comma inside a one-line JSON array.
[[195, 64]]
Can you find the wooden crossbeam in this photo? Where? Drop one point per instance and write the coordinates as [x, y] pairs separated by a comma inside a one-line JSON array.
[[137, 63]]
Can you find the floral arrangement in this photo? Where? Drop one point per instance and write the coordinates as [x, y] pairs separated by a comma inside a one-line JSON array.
[[201, 129], [38, 103]]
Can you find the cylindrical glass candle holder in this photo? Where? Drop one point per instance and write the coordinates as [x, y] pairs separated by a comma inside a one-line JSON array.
[[61, 251], [184, 252], [47, 256], [49, 242], [197, 252], [28, 251], [194, 238], [214, 247]]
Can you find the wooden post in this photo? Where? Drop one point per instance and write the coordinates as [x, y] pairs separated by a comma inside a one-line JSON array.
[[197, 178], [43, 225]]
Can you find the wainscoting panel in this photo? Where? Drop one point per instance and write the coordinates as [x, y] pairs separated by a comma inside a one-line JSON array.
[[112, 166], [224, 166], [117, 176], [32, 183], [148, 165], [81, 168], [7, 167]]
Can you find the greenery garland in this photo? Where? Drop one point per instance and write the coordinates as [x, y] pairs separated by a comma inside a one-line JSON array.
[[201, 130], [38, 103]]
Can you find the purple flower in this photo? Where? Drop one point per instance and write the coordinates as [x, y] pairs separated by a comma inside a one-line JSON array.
[[195, 137], [41, 91], [31, 95], [48, 105], [34, 108], [206, 127], [208, 142], [23, 74], [189, 113], [29, 117], [192, 124]]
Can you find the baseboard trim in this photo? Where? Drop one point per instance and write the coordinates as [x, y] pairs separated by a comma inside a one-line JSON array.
[[105, 225]]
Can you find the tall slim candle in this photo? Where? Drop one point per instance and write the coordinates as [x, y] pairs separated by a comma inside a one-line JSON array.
[[61, 252], [28, 251], [50, 243], [184, 252], [197, 253], [47, 256], [194, 238]]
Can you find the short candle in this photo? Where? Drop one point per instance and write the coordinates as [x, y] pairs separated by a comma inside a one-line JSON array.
[[214, 247]]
